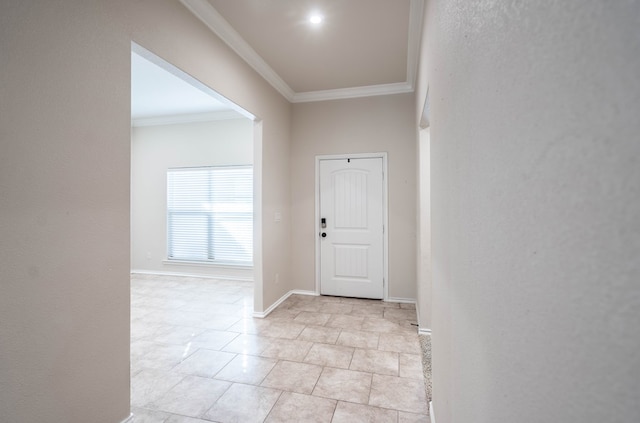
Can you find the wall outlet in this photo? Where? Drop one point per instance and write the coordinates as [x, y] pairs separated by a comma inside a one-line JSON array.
[[276, 278], [148, 255]]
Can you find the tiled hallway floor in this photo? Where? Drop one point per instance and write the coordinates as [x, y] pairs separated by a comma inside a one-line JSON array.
[[198, 356]]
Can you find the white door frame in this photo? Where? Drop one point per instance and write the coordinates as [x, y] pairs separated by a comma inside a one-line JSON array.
[[385, 208]]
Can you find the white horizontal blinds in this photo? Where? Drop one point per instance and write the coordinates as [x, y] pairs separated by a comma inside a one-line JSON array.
[[210, 214], [232, 211], [188, 197]]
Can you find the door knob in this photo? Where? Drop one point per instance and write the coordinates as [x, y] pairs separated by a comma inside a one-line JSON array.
[[324, 234]]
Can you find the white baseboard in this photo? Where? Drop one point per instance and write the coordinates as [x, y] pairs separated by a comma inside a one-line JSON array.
[[421, 330], [128, 419], [263, 314], [401, 300], [192, 275], [303, 292], [432, 416], [424, 331]]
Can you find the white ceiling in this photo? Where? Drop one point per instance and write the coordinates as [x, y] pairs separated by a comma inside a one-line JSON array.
[[363, 47], [156, 92]]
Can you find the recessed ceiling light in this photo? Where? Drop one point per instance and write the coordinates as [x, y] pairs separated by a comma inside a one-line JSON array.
[[316, 18]]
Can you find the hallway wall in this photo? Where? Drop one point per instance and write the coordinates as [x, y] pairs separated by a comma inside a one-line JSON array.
[[535, 203]]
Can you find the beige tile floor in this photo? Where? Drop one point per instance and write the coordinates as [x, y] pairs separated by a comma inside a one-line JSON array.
[[198, 356]]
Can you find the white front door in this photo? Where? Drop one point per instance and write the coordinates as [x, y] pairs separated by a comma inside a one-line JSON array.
[[351, 227]]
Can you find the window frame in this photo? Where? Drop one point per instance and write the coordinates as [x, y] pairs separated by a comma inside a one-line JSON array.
[[210, 216]]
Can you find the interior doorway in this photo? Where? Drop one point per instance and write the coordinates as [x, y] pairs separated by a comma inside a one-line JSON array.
[[184, 300], [182, 127]]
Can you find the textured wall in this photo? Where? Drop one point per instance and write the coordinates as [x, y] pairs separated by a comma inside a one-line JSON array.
[[64, 206], [535, 203]]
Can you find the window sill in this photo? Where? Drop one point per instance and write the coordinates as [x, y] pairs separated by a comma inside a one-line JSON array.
[[206, 264]]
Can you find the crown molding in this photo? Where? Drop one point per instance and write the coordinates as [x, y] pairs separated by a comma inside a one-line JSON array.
[[186, 118], [204, 11], [344, 93]]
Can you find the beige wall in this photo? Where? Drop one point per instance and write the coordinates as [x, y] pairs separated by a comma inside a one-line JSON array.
[[64, 201], [154, 149], [64, 192], [366, 125], [535, 201]]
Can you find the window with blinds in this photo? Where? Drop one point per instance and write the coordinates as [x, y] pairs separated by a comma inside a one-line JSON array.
[[210, 215]]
